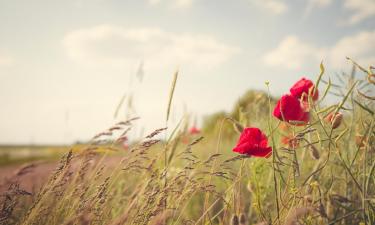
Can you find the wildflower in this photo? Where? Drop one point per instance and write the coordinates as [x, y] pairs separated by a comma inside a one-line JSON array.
[[253, 142], [303, 88], [194, 130], [289, 109], [334, 119], [292, 142]]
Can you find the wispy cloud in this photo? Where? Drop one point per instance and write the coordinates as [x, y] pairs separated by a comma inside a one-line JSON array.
[[357, 10], [293, 53], [313, 4], [360, 9], [117, 46], [273, 6], [360, 46]]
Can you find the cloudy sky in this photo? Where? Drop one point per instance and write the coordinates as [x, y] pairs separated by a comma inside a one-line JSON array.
[[65, 65]]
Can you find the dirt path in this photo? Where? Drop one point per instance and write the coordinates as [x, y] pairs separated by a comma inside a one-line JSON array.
[[31, 181], [37, 174]]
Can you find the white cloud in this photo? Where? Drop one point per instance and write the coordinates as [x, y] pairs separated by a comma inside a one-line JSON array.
[[358, 10], [312, 4], [294, 53], [273, 6], [361, 10], [118, 46], [360, 47], [173, 3], [321, 3], [6, 60]]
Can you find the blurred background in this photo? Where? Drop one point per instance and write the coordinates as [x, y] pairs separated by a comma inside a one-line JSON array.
[[69, 69]]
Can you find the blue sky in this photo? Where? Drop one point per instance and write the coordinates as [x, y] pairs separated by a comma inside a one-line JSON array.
[[64, 65]]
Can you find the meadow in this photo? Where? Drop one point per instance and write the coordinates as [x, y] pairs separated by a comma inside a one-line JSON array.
[[287, 160]]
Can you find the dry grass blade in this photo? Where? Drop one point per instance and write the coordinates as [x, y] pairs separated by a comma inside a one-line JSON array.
[[196, 141], [119, 106], [161, 218], [156, 132], [171, 92], [365, 96], [297, 214], [236, 158], [25, 169], [82, 219]]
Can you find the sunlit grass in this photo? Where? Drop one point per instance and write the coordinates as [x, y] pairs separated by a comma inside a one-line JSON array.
[[319, 173]]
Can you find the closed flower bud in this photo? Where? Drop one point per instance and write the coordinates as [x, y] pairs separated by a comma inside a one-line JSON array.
[[238, 127], [313, 151], [334, 119]]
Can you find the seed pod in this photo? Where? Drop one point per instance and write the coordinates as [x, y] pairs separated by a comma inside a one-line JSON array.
[[237, 126], [308, 199], [249, 187], [330, 209], [314, 152], [235, 220], [322, 211]]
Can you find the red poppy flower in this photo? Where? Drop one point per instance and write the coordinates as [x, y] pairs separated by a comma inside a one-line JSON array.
[[194, 130], [253, 142], [289, 108], [303, 88]]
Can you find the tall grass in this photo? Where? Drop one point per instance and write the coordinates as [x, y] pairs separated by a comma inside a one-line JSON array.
[[323, 174]]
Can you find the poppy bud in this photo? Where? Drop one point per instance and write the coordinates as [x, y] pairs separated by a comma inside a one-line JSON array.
[[314, 152], [334, 119]]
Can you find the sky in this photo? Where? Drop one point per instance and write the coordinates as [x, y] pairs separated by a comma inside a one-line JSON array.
[[65, 65]]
